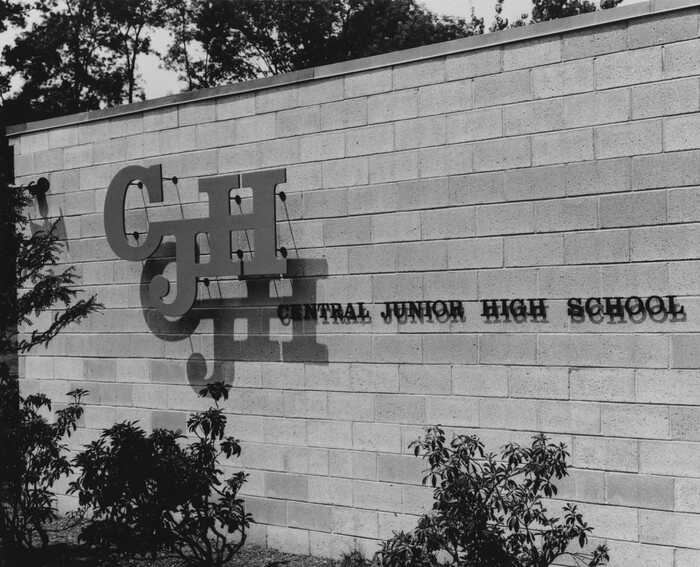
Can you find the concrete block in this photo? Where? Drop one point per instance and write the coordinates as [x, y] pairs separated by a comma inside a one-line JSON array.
[[143, 145], [403, 469], [502, 413], [601, 176], [683, 205], [685, 423], [630, 139], [686, 557], [680, 59], [626, 420], [628, 68], [126, 125], [420, 133], [617, 523], [302, 120], [38, 142], [372, 199], [24, 164], [374, 377], [178, 140], [370, 140], [582, 486], [400, 409], [534, 250], [480, 124], [681, 133], [419, 73], [355, 522], [87, 132], [48, 161], [354, 465], [326, 90], [425, 379], [507, 349], [541, 383], [562, 147], [399, 349], [665, 243], [460, 349], [646, 351], [675, 169], [95, 177], [532, 53], [461, 284], [666, 98], [569, 350], [563, 79], [286, 486], [337, 376], [330, 434], [62, 137], [421, 256], [351, 407], [537, 116], [600, 107], [196, 112], [597, 247], [486, 381], [685, 351], [668, 528], [325, 490], [452, 411], [158, 119], [601, 384], [238, 158], [172, 420], [633, 209], [289, 540], [396, 166], [397, 105], [417, 499], [284, 431], [602, 453], [667, 387], [448, 223], [504, 154], [569, 417], [266, 511], [99, 369], [687, 495], [676, 458], [594, 41], [345, 172], [373, 259], [256, 128], [319, 204], [442, 98], [278, 98], [380, 437], [452, 160], [503, 88], [346, 231], [368, 82], [473, 63], [507, 283], [112, 394], [634, 279], [397, 227], [309, 516], [663, 28], [566, 214], [215, 134]]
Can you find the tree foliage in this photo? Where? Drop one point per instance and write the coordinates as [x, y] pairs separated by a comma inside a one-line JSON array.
[[148, 493], [490, 511], [216, 41]]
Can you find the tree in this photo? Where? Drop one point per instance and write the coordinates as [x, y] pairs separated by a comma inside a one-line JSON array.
[[545, 10], [12, 13], [216, 41], [31, 451]]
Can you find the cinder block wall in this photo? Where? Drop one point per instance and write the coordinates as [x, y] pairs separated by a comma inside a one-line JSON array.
[[557, 161]]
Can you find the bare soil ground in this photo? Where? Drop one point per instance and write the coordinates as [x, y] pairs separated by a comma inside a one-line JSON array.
[[64, 551]]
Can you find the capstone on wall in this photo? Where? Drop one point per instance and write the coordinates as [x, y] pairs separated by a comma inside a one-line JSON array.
[[562, 166]]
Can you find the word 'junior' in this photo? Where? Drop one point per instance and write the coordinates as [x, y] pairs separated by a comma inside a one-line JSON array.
[[440, 310]]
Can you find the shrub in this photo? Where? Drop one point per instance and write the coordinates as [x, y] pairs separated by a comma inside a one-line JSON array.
[[149, 493], [36, 459], [490, 512]]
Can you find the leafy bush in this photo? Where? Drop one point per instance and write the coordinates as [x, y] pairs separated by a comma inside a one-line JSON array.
[[149, 493], [36, 459], [31, 451], [489, 512]]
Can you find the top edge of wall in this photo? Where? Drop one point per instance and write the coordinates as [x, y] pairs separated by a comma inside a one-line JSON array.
[[583, 21]]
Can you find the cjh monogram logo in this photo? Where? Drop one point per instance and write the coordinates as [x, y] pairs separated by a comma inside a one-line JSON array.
[[219, 225]]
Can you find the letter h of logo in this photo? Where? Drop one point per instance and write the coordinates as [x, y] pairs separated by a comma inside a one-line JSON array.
[[218, 225]]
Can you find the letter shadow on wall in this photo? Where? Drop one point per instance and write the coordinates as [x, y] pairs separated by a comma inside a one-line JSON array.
[[227, 310]]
